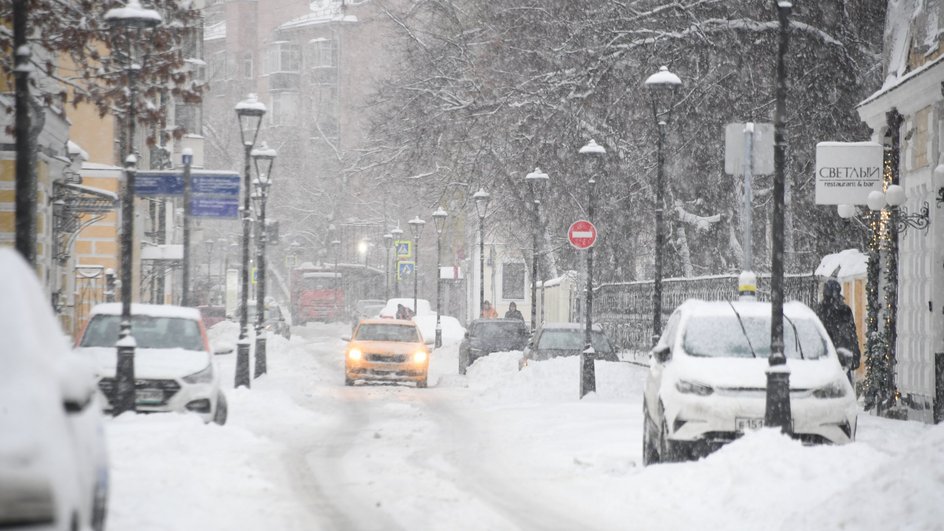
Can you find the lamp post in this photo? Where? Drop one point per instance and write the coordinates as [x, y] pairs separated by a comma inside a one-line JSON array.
[[187, 158], [388, 242], [263, 157], [593, 154], [209, 249], [778, 373], [129, 18], [249, 112], [663, 87], [481, 207], [537, 180], [336, 245], [362, 247], [397, 233], [416, 228], [439, 219]]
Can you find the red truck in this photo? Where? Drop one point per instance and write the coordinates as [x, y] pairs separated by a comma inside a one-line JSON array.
[[317, 295]]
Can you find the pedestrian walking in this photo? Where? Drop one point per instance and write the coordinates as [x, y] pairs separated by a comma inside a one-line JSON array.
[[513, 312], [837, 317], [488, 312]]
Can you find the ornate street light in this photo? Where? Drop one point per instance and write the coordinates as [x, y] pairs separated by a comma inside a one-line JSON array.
[[336, 245], [439, 219], [593, 154], [663, 89], [397, 234], [249, 113], [135, 18], [416, 228], [388, 242], [537, 180], [481, 207], [263, 158]]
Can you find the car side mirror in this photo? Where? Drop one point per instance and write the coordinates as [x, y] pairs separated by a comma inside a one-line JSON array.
[[846, 357], [430, 342], [76, 383], [662, 353], [348, 339], [223, 348]]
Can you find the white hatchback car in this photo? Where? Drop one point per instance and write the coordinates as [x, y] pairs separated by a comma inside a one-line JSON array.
[[174, 368], [707, 379], [53, 462]]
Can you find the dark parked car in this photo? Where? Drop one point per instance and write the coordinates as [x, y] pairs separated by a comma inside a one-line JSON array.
[[567, 339], [491, 335]]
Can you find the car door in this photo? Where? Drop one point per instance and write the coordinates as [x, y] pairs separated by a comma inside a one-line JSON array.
[[656, 367]]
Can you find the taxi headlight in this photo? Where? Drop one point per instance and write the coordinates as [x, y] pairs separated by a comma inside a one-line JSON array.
[[419, 356], [836, 389], [354, 354]]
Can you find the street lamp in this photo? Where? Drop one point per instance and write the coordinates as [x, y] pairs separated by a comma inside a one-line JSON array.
[[336, 245], [397, 233], [362, 247], [209, 249], [593, 154], [249, 112], [481, 207], [537, 180], [439, 219], [263, 158], [416, 228], [663, 88], [135, 18], [388, 242], [187, 159]]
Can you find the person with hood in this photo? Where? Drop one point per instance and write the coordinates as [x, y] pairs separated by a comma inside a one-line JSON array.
[[839, 322], [513, 312], [404, 312]]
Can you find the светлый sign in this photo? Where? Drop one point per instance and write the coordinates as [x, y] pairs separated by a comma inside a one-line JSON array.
[[847, 171]]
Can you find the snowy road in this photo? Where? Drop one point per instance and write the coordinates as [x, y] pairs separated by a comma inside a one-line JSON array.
[[497, 449]]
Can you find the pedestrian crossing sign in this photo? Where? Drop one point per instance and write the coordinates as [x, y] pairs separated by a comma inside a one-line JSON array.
[[405, 269], [404, 249]]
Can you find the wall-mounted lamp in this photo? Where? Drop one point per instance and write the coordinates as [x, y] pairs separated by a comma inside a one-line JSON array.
[[893, 198]]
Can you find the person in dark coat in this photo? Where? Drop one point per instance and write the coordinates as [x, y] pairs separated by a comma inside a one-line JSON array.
[[513, 312], [837, 317], [404, 312]]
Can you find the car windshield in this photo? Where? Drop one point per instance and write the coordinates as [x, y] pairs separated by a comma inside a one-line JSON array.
[[721, 336], [572, 340], [387, 332], [370, 309], [148, 332], [499, 329]]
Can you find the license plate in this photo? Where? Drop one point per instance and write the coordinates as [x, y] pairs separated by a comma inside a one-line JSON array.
[[745, 424], [148, 396]]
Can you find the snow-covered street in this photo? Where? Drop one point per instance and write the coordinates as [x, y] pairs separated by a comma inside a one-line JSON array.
[[496, 449]]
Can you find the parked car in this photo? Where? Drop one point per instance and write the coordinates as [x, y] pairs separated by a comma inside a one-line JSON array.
[[275, 321], [212, 315], [386, 349], [174, 367], [485, 336], [53, 462], [366, 309], [708, 377], [390, 309], [553, 340]]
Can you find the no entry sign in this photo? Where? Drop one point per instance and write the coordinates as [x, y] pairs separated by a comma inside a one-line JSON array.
[[582, 234]]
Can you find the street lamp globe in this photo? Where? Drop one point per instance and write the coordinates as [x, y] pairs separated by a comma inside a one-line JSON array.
[[263, 157], [388, 239], [250, 112], [439, 219], [538, 182], [336, 244], [876, 200], [663, 87], [895, 195], [592, 148], [481, 202], [416, 227], [846, 211]]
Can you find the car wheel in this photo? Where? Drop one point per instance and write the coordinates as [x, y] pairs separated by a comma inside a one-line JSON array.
[[650, 455], [222, 411], [421, 384], [348, 382], [100, 507]]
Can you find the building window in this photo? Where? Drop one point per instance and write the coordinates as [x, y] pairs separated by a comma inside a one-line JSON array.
[[216, 66], [189, 117], [283, 57], [513, 281], [322, 53], [285, 108], [247, 65]]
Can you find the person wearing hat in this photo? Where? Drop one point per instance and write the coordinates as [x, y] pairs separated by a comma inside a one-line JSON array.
[[838, 320]]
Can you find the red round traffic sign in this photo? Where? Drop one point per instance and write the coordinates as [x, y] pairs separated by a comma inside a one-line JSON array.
[[582, 234]]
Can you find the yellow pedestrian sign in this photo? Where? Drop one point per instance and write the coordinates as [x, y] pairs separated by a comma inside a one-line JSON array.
[[404, 249]]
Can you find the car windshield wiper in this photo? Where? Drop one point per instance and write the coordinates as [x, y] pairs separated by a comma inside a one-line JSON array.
[[743, 330], [796, 337]]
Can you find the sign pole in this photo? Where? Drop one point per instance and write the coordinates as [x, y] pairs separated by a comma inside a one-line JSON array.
[[185, 282], [748, 214]]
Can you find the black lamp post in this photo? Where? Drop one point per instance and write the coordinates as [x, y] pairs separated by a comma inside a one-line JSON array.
[[778, 374], [397, 234], [336, 245], [135, 18], [439, 220], [593, 154], [388, 242], [249, 112], [663, 87], [416, 229], [481, 207], [263, 158], [537, 180], [187, 158]]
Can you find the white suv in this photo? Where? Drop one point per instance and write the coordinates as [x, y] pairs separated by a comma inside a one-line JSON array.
[[707, 379], [174, 368]]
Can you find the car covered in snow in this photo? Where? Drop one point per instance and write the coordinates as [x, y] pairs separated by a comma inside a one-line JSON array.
[[708, 377], [485, 336], [174, 368], [53, 461], [386, 350], [553, 340], [389, 310]]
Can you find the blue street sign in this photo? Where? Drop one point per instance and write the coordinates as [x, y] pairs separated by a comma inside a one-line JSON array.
[[404, 248], [405, 269], [216, 184], [215, 207], [215, 194], [159, 183]]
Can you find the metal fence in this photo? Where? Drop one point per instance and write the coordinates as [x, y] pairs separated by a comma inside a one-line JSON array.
[[625, 309]]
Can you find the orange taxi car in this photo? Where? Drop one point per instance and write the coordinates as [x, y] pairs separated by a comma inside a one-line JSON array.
[[386, 350]]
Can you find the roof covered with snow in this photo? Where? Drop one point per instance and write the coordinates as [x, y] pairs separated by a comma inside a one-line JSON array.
[[843, 265]]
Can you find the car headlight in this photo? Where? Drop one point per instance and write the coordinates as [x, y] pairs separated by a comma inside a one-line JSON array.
[[354, 354], [420, 356], [693, 388], [204, 376], [836, 389]]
